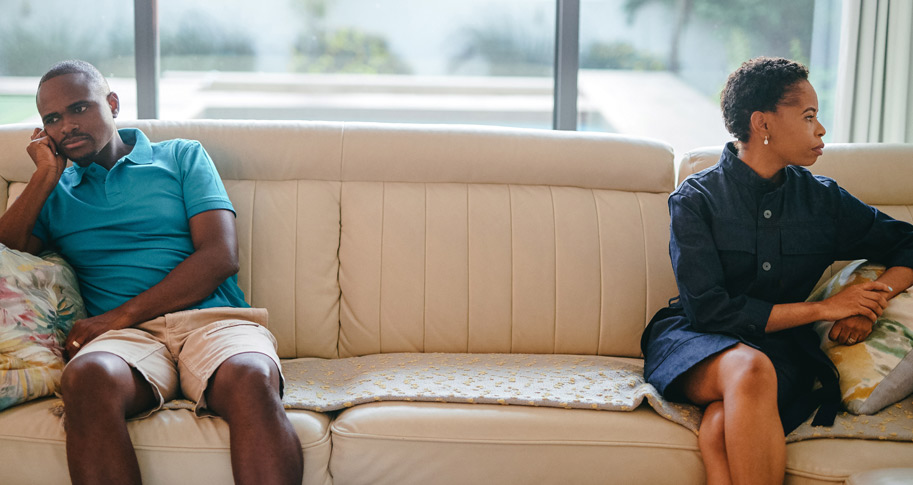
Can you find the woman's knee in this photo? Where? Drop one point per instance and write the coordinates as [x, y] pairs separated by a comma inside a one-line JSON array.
[[747, 369]]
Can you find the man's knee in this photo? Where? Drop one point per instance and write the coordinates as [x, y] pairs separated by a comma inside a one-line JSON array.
[[247, 377], [101, 382], [92, 372]]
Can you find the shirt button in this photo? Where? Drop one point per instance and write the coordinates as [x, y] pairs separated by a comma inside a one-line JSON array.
[[752, 328], [767, 214], [765, 266]]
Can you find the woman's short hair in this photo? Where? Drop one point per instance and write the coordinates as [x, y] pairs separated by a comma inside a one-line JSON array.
[[760, 84]]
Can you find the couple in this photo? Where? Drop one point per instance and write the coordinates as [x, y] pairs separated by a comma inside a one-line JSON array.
[[736, 342]]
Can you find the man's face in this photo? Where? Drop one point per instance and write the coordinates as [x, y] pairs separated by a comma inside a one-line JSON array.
[[78, 115]]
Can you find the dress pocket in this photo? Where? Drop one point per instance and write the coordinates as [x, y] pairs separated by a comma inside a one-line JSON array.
[[735, 236], [808, 239]]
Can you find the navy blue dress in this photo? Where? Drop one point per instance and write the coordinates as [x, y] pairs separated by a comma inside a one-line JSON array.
[[740, 244]]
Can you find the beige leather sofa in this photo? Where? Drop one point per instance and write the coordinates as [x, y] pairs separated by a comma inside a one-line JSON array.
[[370, 238]]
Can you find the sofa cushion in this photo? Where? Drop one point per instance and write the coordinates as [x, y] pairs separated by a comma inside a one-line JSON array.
[[172, 446], [833, 461], [40, 302], [444, 443], [500, 268], [878, 371]]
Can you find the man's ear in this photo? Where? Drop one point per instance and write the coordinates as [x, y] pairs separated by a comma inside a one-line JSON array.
[[114, 103]]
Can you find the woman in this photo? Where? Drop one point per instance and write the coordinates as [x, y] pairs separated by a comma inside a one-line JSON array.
[[750, 237]]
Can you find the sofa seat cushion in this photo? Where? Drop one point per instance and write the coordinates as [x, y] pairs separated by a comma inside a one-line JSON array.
[[834, 460], [402, 442], [172, 446]]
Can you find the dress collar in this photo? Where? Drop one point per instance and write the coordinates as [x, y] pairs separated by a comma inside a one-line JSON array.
[[742, 173]]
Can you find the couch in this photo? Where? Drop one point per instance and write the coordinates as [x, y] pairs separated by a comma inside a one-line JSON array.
[[366, 240]]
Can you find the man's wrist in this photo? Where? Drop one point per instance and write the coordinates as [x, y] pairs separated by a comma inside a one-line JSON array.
[[46, 175], [125, 315]]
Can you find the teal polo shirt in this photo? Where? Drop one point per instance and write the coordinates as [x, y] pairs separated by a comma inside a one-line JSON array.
[[125, 229]]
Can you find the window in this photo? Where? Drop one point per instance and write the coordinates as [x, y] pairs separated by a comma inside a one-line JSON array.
[[485, 62], [656, 69], [646, 67], [35, 35]]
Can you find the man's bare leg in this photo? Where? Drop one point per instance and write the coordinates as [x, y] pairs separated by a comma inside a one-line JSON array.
[[99, 392], [265, 449]]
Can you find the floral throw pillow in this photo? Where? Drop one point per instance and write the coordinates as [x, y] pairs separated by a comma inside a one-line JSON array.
[[39, 301], [878, 371]]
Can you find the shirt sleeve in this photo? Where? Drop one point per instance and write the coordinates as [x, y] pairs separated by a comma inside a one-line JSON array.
[[866, 232], [701, 281], [202, 186]]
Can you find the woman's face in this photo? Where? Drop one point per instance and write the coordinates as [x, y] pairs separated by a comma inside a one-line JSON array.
[[795, 132]]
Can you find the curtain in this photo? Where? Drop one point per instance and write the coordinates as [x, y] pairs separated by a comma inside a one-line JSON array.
[[874, 89]]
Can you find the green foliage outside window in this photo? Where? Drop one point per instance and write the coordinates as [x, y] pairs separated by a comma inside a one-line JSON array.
[[348, 51]]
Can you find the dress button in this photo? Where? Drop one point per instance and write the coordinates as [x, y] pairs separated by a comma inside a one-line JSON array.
[[765, 266], [767, 214]]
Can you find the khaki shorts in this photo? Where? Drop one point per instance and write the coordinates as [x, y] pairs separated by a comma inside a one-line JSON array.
[[177, 353]]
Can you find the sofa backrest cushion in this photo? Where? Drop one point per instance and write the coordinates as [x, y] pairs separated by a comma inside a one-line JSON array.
[[480, 239], [363, 238]]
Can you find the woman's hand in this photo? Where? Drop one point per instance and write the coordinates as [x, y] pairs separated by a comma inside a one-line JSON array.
[[850, 331], [867, 300]]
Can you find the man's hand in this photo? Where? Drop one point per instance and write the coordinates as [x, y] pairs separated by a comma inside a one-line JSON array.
[[87, 329], [851, 330], [867, 300], [43, 152]]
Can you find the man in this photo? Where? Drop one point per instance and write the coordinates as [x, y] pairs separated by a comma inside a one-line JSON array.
[[150, 231]]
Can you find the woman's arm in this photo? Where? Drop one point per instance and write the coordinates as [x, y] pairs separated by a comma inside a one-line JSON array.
[[854, 309], [855, 329], [867, 300]]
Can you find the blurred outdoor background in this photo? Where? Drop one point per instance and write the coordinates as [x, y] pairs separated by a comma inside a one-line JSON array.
[[647, 67]]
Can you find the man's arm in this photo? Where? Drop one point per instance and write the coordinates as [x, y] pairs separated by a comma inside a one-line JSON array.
[[215, 258], [17, 222]]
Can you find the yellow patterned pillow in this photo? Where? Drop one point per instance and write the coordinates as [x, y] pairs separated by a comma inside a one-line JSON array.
[[40, 301], [879, 371]]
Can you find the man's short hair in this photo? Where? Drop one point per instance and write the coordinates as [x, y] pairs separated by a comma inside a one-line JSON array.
[[76, 66]]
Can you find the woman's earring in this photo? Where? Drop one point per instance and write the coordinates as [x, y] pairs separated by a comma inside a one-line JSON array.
[[765, 140]]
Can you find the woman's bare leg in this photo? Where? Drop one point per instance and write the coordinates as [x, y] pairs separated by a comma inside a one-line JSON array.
[[744, 381], [711, 441]]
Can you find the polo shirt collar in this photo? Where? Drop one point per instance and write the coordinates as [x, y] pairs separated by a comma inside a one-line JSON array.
[[140, 155], [744, 174]]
